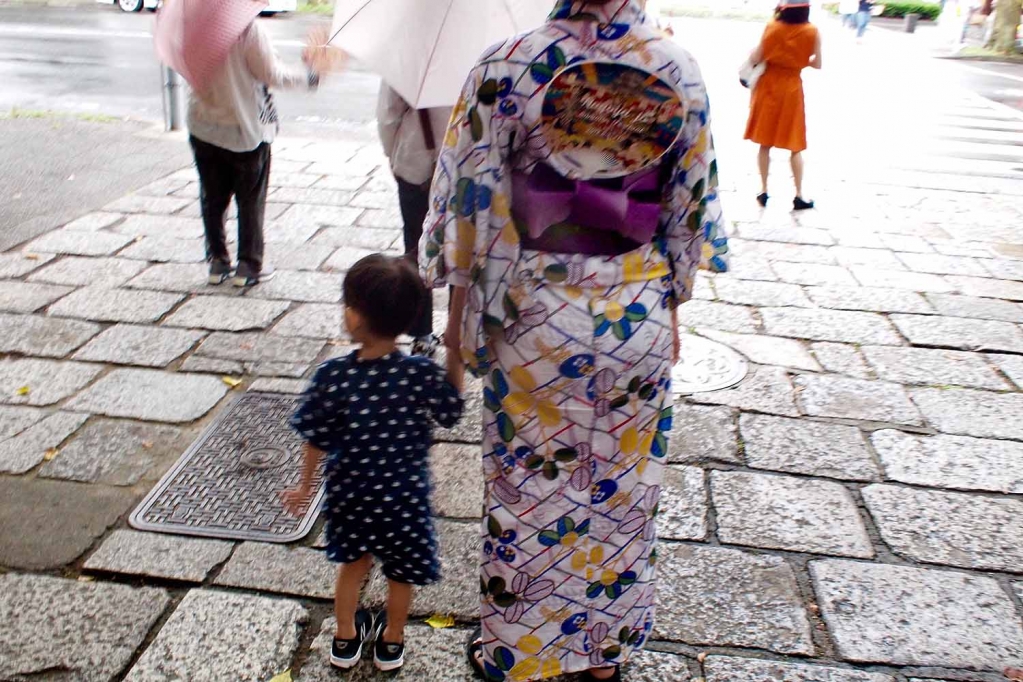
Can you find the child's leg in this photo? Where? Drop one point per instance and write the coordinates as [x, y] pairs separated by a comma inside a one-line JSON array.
[[399, 601], [350, 578], [251, 187]]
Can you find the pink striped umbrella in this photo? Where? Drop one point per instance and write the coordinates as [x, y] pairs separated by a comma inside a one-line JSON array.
[[194, 37]]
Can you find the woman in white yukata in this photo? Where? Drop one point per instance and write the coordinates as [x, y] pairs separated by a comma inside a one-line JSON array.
[[575, 196]]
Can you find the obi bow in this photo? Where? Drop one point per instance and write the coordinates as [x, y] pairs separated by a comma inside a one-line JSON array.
[[630, 206]]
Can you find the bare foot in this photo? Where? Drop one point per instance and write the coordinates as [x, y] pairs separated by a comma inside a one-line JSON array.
[[602, 673]]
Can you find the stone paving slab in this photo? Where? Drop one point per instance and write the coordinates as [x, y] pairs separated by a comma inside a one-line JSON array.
[[115, 305], [297, 256], [767, 350], [869, 299], [287, 386], [70, 525], [954, 305], [975, 531], [813, 274], [137, 203], [772, 294], [217, 635], [313, 321], [47, 381], [27, 297], [87, 631], [896, 615], [23, 452], [183, 278], [151, 395], [20, 264], [266, 567], [721, 316], [344, 258], [457, 475], [683, 509], [43, 337], [900, 279], [257, 347], [14, 420], [955, 462], [830, 325], [130, 552], [305, 287], [92, 222], [811, 448], [943, 265], [74, 243], [221, 313], [115, 453], [458, 592], [172, 227], [125, 344], [101, 273], [841, 398], [726, 597], [988, 288], [766, 389], [930, 367], [972, 413], [1010, 365], [703, 434], [842, 358], [734, 669], [793, 514], [960, 333]]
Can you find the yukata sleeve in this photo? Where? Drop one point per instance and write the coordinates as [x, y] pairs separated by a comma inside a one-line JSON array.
[[695, 234], [442, 398], [319, 419]]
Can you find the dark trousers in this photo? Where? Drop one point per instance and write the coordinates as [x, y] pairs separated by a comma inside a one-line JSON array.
[[414, 201], [244, 176]]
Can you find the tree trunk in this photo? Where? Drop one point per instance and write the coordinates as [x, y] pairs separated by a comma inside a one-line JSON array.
[[1007, 18]]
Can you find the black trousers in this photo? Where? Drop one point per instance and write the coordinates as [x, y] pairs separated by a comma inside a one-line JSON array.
[[244, 176], [414, 201]]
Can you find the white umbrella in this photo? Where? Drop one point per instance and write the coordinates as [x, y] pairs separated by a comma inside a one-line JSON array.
[[424, 49]]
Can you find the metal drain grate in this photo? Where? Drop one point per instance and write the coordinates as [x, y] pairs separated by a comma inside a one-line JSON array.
[[228, 484], [707, 366]]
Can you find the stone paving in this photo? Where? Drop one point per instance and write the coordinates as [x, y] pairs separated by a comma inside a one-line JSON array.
[[849, 513]]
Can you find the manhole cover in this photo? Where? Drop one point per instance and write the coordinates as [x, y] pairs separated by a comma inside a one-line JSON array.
[[707, 366], [229, 482]]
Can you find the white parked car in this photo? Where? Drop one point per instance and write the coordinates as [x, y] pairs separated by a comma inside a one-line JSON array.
[[274, 6]]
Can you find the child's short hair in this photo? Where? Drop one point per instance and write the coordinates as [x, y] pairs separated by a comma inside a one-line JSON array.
[[387, 292]]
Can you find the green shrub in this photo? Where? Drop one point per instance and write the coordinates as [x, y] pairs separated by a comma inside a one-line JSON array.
[[926, 10]]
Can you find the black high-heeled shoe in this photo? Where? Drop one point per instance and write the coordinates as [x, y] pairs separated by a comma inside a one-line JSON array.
[[762, 199], [798, 204]]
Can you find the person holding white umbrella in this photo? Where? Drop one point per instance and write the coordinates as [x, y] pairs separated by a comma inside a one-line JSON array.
[[574, 198]]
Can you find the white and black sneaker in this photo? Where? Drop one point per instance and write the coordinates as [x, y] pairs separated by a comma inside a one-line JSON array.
[[346, 653], [425, 346], [386, 656]]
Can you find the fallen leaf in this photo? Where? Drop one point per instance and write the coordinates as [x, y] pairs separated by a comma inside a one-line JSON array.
[[31, 256], [247, 346], [231, 381], [702, 656], [24, 390], [147, 444], [1014, 674], [50, 454], [440, 622], [282, 677], [85, 578]]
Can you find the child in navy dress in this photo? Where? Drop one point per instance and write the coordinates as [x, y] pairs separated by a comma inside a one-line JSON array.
[[367, 419]]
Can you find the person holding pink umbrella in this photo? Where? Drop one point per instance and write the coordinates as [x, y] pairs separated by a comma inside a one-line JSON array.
[[230, 63]]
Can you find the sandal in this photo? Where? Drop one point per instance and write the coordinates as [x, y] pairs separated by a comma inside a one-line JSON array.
[[473, 646]]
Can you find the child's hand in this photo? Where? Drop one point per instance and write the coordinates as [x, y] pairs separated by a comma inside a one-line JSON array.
[[296, 499]]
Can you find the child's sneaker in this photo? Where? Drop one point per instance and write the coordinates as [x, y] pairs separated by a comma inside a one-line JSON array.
[[346, 653], [386, 656], [425, 346]]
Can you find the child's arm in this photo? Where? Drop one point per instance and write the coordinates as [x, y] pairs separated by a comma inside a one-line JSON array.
[[296, 498], [456, 371]]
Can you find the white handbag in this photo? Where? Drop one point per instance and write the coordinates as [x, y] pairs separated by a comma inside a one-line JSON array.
[[750, 73]]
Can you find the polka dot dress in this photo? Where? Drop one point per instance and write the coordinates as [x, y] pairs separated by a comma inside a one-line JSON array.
[[374, 418]]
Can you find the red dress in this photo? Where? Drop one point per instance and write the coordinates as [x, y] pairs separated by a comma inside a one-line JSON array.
[[777, 111]]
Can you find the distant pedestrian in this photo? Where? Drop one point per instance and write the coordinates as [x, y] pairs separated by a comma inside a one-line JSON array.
[[411, 140], [847, 9], [366, 419], [863, 16], [778, 110], [232, 124]]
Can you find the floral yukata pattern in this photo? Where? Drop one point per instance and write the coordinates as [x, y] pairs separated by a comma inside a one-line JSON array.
[[575, 352]]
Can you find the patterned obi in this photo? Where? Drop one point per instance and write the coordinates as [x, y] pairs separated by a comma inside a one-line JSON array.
[[590, 217]]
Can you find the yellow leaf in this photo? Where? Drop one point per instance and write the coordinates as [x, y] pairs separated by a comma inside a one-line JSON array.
[[31, 256], [85, 579], [440, 622], [24, 390], [147, 444], [283, 677], [50, 454], [231, 381]]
